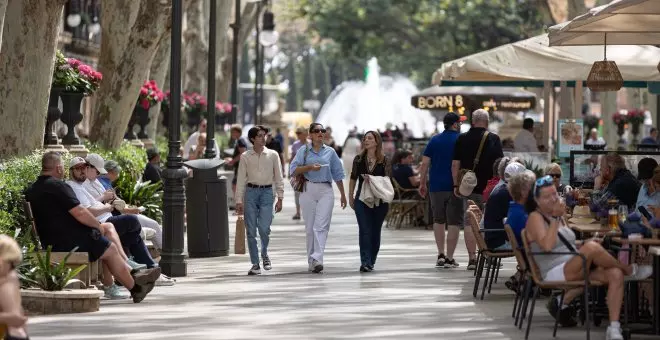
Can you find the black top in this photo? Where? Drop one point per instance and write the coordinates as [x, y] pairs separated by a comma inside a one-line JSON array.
[[274, 145], [402, 173], [625, 187], [360, 167], [151, 173], [465, 150], [51, 199], [497, 208]]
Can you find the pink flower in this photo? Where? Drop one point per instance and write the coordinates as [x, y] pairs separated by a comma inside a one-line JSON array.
[[144, 91], [227, 107], [145, 104], [73, 62]]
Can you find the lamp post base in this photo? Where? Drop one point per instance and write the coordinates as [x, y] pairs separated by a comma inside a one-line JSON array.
[[173, 265]]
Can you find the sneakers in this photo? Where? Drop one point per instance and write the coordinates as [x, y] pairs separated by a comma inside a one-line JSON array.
[[451, 263], [639, 273], [440, 263], [255, 270], [114, 292], [267, 265], [317, 267], [135, 265], [472, 265], [164, 280], [145, 280], [613, 333], [365, 269]]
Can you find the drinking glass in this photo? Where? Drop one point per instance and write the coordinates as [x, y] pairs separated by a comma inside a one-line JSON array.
[[623, 213]]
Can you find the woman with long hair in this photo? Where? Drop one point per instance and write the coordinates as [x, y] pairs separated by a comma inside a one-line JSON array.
[[547, 231], [321, 166], [371, 161]]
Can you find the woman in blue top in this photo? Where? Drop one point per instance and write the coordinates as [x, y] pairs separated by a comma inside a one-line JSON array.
[[321, 166]]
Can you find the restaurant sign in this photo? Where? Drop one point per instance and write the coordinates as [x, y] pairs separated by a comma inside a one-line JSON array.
[[472, 102], [439, 102]]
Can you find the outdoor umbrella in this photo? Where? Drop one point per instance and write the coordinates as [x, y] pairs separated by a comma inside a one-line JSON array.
[[474, 97], [621, 22]]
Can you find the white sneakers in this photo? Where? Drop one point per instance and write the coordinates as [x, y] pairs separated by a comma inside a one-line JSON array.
[[639, 273], [613, 333]]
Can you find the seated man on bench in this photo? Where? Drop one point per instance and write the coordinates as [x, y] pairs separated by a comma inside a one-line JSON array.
[[64, 224]]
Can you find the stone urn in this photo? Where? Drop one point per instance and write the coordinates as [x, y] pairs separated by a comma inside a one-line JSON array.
[[634, 129], [142, 120], [54, 114], [41, 302], [71, 115], [620, 130], [130, 135]]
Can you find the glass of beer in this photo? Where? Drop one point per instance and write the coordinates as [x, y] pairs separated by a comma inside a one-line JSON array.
[[613, 219]]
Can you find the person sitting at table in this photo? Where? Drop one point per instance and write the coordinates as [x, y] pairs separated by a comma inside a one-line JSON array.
[[547, 231], [497, 208], [554, 170], [402, 170], [649, 174], [495, 180], [622, 186]]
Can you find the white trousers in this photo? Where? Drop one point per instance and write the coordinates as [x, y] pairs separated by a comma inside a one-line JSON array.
[[316, 203], [146, 222]]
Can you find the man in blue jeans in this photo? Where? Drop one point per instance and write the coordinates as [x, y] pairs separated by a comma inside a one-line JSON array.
[[258, 170]]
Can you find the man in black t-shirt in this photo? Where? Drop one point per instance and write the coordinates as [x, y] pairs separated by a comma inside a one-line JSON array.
[[465, 152], [152, 170], [64, 224]]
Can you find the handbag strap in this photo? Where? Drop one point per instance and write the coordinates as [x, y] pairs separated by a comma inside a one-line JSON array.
[[481, 148], [561, 237], [305, 156]]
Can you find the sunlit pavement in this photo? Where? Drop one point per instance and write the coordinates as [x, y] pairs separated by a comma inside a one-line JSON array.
[[405, 298]]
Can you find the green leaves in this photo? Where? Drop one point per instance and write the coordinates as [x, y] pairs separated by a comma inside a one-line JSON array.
[[40, 272]]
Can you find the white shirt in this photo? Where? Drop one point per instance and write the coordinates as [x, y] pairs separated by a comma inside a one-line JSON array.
[[599, 141], [192, 141], [525, 142], [95, 188], [87, 200], [259, 169]]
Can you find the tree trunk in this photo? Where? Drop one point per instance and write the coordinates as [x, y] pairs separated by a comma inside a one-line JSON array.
[[224, 14], [196, 48], [159, 69], [292, 96], [121, 86], [26, 71], [3, 8]]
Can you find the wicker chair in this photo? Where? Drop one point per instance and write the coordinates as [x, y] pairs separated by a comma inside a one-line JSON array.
[[491, 258], [403, 207], [523, 269]]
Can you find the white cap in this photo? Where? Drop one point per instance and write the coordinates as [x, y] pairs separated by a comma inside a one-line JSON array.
[[76, 161], [513, 169], [97, 162]]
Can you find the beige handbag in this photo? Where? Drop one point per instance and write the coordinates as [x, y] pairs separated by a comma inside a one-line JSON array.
[[239, 240]]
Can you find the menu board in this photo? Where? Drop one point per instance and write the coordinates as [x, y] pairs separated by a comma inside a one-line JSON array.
[[570, 136]]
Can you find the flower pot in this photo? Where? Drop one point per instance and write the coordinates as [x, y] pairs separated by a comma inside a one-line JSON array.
[[71, 115], [54, 113], [130, 135], [142, 120], [635, 129], [620, 129], [41, 302]]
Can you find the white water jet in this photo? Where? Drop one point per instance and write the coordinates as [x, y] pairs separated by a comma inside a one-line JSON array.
[[372, 104]]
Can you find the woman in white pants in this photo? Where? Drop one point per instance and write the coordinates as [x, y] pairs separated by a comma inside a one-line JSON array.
[[321, 166]]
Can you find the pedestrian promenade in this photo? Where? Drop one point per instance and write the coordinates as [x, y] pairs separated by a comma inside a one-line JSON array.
[[404, 298]]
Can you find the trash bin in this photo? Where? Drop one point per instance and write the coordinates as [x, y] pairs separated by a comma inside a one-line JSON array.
[[206, 208]]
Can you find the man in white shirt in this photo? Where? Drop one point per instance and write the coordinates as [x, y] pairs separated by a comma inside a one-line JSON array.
[[525, 141], [594, 139], [258, 170], [192, 141]]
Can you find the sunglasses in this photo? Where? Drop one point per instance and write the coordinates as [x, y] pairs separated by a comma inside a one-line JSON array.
[[542, 182], [318, 130], [555, 175]]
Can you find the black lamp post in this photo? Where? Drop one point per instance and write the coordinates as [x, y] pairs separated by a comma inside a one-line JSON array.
[[172, 259], [210, 88]]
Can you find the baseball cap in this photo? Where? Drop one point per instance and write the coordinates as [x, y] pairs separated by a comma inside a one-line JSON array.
[[513, 169], [451, 118], [75, 161], [97, 162], [645, 168]]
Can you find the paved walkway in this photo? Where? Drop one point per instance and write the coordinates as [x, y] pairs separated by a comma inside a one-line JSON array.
[[405, 298]]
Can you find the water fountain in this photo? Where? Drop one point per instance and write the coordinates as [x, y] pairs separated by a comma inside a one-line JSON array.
[[373, 103]]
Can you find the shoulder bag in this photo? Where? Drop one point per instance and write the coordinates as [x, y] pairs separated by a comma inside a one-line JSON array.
[[298, 181], [468, 178]]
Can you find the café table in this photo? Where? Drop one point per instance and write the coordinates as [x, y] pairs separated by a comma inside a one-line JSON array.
[[654, 250], [587, 226]]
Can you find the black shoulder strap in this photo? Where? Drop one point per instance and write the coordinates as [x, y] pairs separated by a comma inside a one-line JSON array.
[[561, 237]]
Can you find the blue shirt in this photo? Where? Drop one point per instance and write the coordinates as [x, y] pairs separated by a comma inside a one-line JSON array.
[[517, 219], [402, 173], [440, 149], [331, 168], [649, 141], [644, 199], [107, 184], [496, 210]]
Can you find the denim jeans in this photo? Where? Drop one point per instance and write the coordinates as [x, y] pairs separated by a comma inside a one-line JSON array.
[[258, 214], [129, 230], [370, 224]]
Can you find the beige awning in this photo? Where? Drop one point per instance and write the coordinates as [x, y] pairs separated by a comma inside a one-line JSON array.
[[621, 22], [534, 59]]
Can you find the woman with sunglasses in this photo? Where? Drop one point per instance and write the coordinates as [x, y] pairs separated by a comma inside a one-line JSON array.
[[547, 231], [12, 318], [371, 161], [321, 166], [554, 170]]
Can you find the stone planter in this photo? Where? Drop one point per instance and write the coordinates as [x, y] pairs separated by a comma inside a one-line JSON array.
[[41, 302], [54, 114], [71, 115], [130, 135], [142, 120]]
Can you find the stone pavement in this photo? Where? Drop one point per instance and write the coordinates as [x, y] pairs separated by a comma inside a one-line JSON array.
[[405, 298]]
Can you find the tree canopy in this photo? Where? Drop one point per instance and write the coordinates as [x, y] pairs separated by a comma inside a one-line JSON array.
[[413, 37]]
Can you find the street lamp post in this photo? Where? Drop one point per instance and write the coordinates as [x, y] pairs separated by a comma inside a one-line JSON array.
[[172, 260], [257, 66], [210, 88]]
